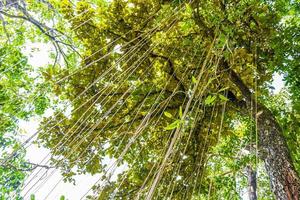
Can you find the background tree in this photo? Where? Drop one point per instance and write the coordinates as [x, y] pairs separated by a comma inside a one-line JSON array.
[[22, 96], [15, 104]]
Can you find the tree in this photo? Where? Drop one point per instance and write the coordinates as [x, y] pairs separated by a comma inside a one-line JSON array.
[[15, 104], [22, 95], [163, 84]]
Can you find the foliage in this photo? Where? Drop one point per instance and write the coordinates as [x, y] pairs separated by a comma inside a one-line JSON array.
[[155, 76], [22, 95], [287, 51], [14, 85], [164, 66]]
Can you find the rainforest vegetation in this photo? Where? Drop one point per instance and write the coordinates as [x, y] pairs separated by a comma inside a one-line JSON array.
[[161, 99]]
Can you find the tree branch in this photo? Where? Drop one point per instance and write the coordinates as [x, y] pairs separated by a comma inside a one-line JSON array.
[[25, 169]]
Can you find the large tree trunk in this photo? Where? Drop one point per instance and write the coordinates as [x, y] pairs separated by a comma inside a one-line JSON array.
[[275, 154], [273, 149]]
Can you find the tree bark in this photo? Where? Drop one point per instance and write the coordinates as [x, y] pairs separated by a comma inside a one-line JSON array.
[[251, 183], [275, 154], [273, 149]]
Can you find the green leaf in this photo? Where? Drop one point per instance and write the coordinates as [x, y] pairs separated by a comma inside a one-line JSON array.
[[174, 125], [194, 80], [180, 112], [62, 198], [222, 41], [223, 98], [167, 114], [209, 100]]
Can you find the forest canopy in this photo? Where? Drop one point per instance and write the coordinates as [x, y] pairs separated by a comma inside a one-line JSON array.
[[163, 99]]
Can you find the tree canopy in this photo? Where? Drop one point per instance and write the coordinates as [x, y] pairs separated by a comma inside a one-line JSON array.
[[177, 93]]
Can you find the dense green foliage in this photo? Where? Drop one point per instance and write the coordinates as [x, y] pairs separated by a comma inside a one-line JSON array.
[[165, 65], [153, 77], [22, 95], [15, 83]]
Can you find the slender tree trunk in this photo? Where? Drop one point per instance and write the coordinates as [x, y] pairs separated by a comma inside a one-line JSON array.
[[278, 163], [251, 183]]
